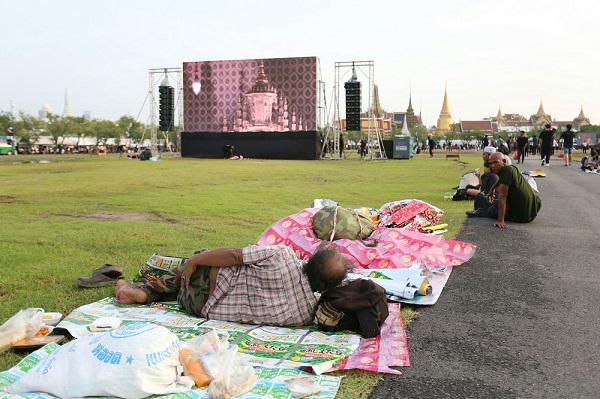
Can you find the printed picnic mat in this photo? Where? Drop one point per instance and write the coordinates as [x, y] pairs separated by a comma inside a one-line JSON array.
[[277, 353], [270, 382], [264, 346]]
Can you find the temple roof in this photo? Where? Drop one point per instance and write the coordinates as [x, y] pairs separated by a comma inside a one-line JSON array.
[[478, 125], [445, 106], [445, 121], [262, 82], [499, 118], [540, 110]]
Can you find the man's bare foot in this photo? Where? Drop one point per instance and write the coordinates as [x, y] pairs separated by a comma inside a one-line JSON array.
[[128, 294]]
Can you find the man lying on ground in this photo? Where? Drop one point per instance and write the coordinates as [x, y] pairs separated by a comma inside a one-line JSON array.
[[251, 285]]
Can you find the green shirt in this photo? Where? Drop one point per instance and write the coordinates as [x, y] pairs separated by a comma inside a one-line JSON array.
[[522, 203]]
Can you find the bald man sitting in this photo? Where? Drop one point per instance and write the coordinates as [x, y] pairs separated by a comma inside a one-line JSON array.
[[517, 202]]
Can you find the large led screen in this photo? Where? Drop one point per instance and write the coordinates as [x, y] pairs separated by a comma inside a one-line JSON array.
[[261, 95]]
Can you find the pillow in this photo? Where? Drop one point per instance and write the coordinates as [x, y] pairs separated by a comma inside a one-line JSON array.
[[133, 361]]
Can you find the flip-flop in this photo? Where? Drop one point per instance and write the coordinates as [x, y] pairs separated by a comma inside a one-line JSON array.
[[97, 280], [109, 270]]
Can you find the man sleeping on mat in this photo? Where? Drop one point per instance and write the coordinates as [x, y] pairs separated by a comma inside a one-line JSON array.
[[251, 285]]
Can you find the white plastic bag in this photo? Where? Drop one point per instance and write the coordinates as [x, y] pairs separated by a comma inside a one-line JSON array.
[[192, 355], [302, 387], [25, 324], [135, 361], [208, 343], [233, 376]]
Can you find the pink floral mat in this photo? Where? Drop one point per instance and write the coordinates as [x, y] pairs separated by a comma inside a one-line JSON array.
[[390, 349], [384, 248]]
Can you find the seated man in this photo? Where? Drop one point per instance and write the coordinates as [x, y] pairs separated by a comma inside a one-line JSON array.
[[252, 285], [487, 151], [486, 182], [228, 151], [590, 163], [516, 201]]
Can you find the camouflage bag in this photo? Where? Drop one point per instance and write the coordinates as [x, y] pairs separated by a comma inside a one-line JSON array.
[[334, 222]]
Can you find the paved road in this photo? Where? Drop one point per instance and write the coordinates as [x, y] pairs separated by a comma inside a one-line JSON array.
[[521, 318]]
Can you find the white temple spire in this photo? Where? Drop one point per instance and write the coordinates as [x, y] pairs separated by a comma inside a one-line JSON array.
[[67, 109]]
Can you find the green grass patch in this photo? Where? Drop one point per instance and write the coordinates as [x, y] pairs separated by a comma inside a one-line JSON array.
[[65, 215]]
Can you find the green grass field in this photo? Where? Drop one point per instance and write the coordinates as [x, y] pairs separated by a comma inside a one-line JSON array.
[[65, 215]]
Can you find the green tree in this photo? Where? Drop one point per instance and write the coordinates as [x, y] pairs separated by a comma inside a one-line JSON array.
[[61, 127], [27, 129], [55, 127], [535, 131], [476, 134], [420, 133], [129, 128], [102, 130], [76, 126], [589, 129], [7, 122]]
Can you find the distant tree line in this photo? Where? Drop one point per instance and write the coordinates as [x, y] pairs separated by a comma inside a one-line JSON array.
[[27, 129]]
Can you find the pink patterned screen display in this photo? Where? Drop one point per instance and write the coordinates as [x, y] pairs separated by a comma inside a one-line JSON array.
[[260, 95]]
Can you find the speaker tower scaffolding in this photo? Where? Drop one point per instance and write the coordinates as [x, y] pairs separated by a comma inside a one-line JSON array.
[[161, 75], [374, 133]]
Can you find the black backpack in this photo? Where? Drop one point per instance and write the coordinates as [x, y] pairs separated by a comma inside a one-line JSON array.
[[359, 306], [461, 195]]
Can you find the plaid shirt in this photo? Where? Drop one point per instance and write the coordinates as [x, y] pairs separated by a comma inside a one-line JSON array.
[[270, 289]]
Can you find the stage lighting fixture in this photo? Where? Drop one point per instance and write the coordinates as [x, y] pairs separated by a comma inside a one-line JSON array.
[[196, 85]]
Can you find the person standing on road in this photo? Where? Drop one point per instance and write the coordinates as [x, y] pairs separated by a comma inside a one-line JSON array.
[[534, 145], [568, 137], [546, 140], [431, 144], [517, 201], [522, 143]]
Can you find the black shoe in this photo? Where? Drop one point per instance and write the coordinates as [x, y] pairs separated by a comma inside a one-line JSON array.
[[477, 213], [109, 270], [103, 276]]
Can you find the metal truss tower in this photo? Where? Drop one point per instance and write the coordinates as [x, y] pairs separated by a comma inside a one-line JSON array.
[[374, 134]]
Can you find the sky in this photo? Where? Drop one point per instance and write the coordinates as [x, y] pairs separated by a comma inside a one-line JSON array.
[[490, 54]]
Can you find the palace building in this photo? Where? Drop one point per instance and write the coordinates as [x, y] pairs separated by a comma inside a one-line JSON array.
[[512, 123]]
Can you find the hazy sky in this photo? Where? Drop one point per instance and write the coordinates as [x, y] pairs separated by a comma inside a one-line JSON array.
[[491, 53]]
